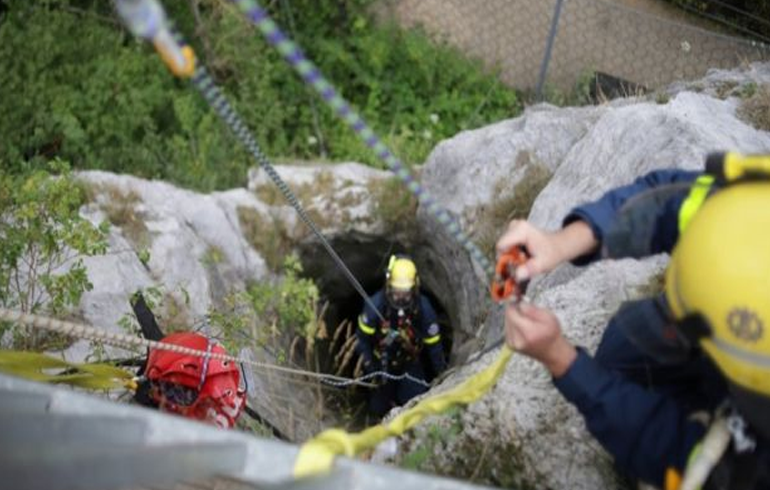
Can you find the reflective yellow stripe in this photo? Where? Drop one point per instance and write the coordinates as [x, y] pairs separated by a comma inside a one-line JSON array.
[[432, 340], [364, 327], [698, 194]]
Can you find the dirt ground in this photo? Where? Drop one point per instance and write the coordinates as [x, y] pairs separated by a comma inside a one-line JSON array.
[[642, 41]]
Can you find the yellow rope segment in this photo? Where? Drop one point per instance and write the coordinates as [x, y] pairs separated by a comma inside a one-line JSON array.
[[33, 366], [317, 455]]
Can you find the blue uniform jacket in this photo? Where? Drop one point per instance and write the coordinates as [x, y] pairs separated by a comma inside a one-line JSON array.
[[426, 329], [645, 431]]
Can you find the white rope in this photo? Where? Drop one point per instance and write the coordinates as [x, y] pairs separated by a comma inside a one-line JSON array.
[[383, 374], [88, 332]]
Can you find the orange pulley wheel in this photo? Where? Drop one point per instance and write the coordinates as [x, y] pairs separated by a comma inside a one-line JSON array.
[[504, 283]]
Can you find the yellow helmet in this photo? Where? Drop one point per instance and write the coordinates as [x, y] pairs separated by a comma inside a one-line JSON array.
[[720, 274], [402, 273], [401, 281]]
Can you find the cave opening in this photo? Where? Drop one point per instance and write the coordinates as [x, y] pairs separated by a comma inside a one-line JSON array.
[[342, 304]]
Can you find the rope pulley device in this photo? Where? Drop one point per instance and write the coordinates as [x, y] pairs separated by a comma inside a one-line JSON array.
[[504, 283]]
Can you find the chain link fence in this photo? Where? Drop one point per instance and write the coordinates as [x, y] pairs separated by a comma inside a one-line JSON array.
[[558, 43]]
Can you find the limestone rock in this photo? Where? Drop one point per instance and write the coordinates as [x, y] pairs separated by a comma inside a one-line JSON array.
[[596, 149]]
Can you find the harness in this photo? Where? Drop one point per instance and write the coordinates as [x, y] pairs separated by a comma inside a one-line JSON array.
[[397, 345], [725, 459]]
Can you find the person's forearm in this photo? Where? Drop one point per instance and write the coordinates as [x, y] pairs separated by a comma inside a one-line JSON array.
[[560, 358], [574, 240]]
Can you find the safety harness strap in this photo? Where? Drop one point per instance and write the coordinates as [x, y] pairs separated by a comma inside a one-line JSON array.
[[695, 199]]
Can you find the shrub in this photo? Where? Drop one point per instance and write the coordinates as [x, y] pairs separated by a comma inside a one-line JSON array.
[[755, 109], [43, 241], [86, 91]]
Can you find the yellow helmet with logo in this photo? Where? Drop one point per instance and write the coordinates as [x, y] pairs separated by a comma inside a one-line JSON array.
[[401, 281], [719, 275]]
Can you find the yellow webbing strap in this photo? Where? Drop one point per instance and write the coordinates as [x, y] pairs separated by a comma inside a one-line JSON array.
[[317, 455], [33, 366], [698, 194]]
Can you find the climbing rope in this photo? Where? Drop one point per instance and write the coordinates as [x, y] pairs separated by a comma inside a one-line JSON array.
[[317, 455], [87, 332], [147, 20], [378, 374], [342, 108], [141, 18]]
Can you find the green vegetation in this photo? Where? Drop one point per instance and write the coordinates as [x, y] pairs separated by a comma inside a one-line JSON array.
[[393, 205], [121, 209], [43, 241], [269, 236], [84, 90], [755, 107], [270, 311], [507, 205]]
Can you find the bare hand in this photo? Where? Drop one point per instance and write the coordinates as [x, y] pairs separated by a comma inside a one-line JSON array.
[[546, 250], [535, 332], [540, 246]]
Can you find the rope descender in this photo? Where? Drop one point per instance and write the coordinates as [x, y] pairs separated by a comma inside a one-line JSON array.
[[504, 283], [146, 19]]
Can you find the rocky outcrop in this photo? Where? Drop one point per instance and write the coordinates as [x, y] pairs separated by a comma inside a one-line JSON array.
[[597, 148], [195, 251], [536, 166]]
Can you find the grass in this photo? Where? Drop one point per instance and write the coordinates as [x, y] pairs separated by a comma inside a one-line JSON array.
[[755, 109], [323, 184], [175, 314], [213, 256], [508, 205], [393, 205], [268, 236], [725, 89], [121, 210]]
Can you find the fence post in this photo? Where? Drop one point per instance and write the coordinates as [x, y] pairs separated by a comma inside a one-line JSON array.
[[548, 49]]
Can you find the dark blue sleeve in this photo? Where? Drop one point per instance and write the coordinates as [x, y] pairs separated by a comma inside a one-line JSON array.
[[368, 322], [600, 214], [644, 431], [429, 328]]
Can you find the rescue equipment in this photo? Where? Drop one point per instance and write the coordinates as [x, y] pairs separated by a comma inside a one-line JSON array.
[[504, 283], [197, 387]]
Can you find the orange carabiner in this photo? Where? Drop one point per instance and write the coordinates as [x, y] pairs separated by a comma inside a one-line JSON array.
[[504, 283]]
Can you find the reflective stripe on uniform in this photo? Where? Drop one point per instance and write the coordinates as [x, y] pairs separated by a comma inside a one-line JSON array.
[[364, 327], [698, 194], [434, 334]]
